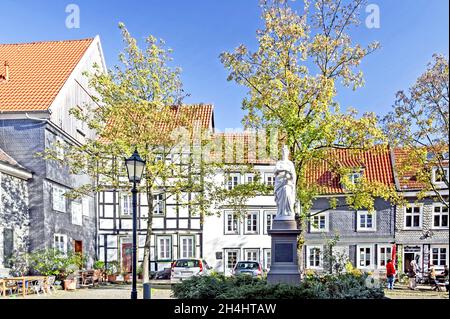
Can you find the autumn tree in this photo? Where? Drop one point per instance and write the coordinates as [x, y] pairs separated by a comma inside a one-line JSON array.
[[292, 79], [137, 105], [419, 124]]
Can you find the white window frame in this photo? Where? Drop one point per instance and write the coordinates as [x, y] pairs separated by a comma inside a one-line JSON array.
[[249, 176], [446, 173], [77, 213], [308, 257], [266, 222], [252, 251], [59, 201], [446, 247], [405, 214], [163, 254], [232, 180], [440, 214], [386, 257], [355, 176], [60, 152], [159, 206], [85, 206], [126, 206], [234, 221], [315, 229], [185, 253], [251, 232], [238, 256], [373, 215], [62, 249], [358, 256], [268, 176], [267, 258]]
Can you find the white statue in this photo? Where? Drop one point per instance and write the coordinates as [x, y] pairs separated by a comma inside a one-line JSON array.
[[285, 179]]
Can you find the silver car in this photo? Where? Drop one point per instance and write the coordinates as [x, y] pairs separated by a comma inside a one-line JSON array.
[[252, 268], [186, 268]]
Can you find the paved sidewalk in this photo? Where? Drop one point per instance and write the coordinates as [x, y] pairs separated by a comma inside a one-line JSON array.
[[101, 292]]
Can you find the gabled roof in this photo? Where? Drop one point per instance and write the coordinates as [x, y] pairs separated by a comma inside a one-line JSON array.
[[7, 159], [236, 150], [407, 180], [192, 115], [376, 164], [10, 166], [199, 114], [37, 72]]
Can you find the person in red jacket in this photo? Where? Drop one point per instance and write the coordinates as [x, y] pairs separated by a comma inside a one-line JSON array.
[[390, 274]]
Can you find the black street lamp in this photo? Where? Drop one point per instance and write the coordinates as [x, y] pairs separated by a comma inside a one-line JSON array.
[[135, 168]]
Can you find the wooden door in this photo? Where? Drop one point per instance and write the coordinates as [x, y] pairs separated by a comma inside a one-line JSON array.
[[78, 246], [127, 254]]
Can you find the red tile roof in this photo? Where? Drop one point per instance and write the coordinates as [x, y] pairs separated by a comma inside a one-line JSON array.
[[37, 72], [376, 164], [240, 142], [407, 179], [196, 114]]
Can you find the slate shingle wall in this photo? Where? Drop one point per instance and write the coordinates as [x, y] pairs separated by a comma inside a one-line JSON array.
[[22, 139]]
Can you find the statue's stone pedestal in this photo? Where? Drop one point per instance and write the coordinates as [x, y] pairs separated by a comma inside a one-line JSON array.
[[284, 260]]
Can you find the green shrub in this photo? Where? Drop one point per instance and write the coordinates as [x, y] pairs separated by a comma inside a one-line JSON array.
[[343, 286], [98, 264], [52, 262]]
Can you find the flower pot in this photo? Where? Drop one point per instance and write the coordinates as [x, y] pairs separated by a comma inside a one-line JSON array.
[[126, 277], [112, 278], [70, 284]]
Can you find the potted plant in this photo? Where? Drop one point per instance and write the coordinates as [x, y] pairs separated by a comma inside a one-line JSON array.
[[70, 281], [99, 267], [140, 272], [112, 270], [126, 276]]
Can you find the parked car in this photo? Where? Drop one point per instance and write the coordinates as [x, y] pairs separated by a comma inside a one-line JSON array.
[[186, 268], [252, 268], [163, 274]]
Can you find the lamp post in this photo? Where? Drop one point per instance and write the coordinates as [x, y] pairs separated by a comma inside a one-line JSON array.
[[135, 168]]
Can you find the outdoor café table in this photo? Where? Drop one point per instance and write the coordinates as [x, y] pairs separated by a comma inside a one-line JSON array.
[[23, 280]]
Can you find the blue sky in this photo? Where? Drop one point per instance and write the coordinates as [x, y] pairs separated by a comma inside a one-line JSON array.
[[199, 30]]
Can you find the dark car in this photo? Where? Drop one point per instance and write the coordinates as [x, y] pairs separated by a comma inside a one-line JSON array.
[[163, 274], [252, 268]]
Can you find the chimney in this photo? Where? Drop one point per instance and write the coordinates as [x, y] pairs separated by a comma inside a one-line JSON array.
[[6, 71], [5, 76]]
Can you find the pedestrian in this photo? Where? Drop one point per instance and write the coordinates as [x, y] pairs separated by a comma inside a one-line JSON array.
[[390, 274], [445, 274], [433, 280], [412, 273]]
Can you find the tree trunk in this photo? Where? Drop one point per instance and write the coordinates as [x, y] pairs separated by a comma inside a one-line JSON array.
[[148, 239]]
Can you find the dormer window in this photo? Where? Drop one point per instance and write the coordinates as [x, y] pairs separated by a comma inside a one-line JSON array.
[[355, 177], [440, 175]]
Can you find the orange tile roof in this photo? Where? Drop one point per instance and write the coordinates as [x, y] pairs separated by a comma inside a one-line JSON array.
[[407, 180], [376, 163], [197, 114], [240, 142], [37, 72]]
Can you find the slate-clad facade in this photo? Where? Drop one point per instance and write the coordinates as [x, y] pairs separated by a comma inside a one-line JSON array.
[[34, 117], [14, 211], [422, 227]]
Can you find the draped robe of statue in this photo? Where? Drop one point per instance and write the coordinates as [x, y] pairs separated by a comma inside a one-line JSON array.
[[285, 179]]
